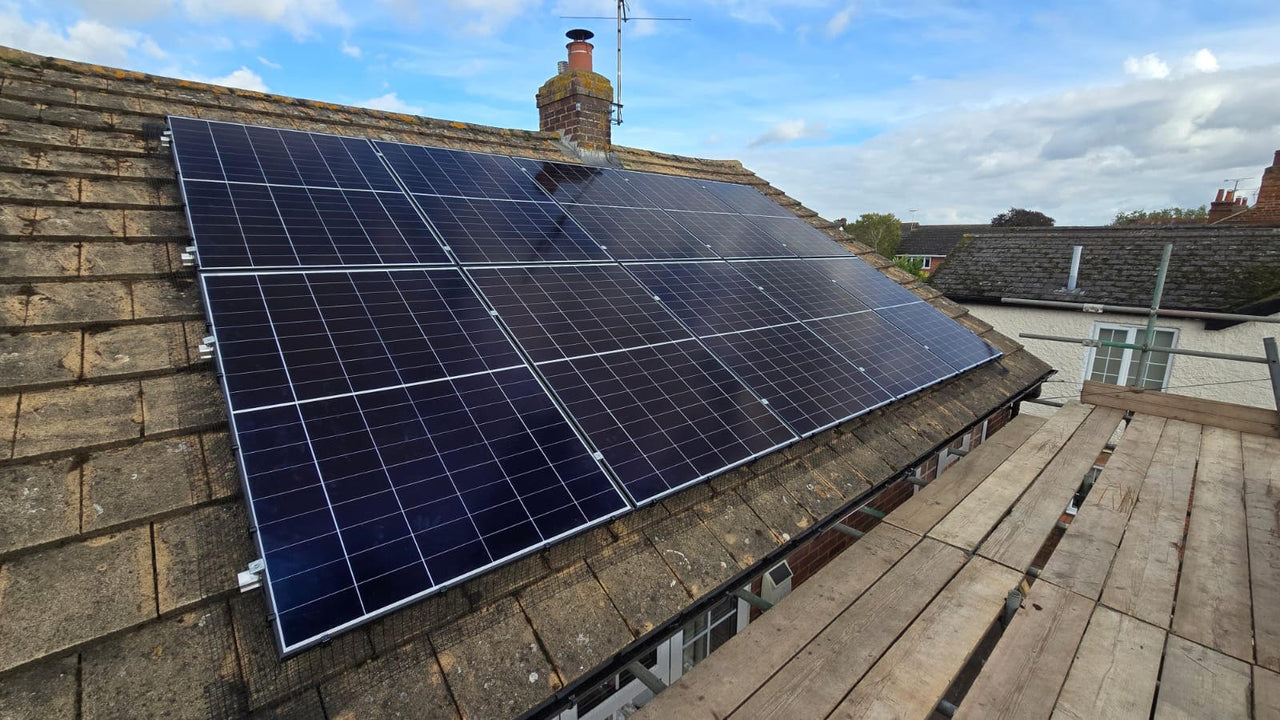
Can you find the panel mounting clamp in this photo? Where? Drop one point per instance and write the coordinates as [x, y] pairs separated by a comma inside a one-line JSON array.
[[188, 256], [205, 349], [252, 578]]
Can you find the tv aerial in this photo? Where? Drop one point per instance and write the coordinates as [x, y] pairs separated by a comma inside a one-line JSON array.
[[623, 16], [1236, 186]]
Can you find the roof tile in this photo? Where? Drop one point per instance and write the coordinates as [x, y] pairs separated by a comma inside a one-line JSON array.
[[71, 418], [575, 620], [62, 303], [199, 553], [406, 683], [737, 527], [692, 552], [183, 401], [45, 690], [60, 222], [117, 258], [142, 480], [641, 585], [25, 260], [49, 604], [39, 503], [775, 507], [134, 349], [37, 358], [176, 297]]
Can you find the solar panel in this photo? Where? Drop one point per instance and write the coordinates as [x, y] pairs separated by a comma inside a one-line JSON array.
[[804, 379], [799, 237], [897, 363], [801, 287], [945, 337], [732, 236], [665, 417], [504, 231], [311, 335], [866, 283], [364, 502], [586, 185], [710, 297], [437, 171], [566, 311], [746, 200], [639, 233]]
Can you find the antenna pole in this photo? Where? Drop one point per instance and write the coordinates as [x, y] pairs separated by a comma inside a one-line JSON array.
[[622, 9]]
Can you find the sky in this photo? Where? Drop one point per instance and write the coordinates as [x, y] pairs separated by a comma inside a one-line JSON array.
[[939, 112]]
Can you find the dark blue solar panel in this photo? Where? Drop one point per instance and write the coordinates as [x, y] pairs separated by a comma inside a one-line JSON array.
[[945, 337], [566, 311], [799, 237], [264, 226], [437, 171], [746, 199], [309, 335], [804, 380], [866, 283], [620, 188], [366, 501], [732, 236], [503, 231], [665, 417], [639, 233], [801, 287], [208, 150], [710, 297], [896, 362]]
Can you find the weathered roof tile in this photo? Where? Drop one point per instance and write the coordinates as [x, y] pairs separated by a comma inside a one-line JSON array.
[[199, 553], [70, 418], [49, 689], [692, 552], [575, 620], [142, 480], [50, 604], [640, 584], [36, 358], [126, 349], [185, 400], [62, 303], [39, 503], [407, 683]]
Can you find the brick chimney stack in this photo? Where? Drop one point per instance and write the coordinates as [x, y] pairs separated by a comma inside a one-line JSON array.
[[1225, 205], [578, 102], [1266, 210]]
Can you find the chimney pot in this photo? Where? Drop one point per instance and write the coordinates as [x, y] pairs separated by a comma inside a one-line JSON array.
[[1231, 196], [562, 67], [1221, 192], [580, 49], [1276, 161]]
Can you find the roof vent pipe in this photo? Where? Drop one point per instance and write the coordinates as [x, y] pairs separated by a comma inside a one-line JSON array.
[[562, 67], [1074, 277]]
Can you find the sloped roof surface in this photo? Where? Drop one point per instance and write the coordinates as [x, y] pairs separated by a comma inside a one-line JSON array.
[[936, 239], [1212, 268], [121, 522]]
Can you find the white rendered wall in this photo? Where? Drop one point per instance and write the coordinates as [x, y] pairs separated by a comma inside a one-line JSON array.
[[1069, 360]]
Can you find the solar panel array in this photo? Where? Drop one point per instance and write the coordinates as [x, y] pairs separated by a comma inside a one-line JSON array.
[[437, 361]]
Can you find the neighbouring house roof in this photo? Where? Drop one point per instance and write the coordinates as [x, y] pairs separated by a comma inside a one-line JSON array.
[[936, 239], [121, 522], [1212, 268]]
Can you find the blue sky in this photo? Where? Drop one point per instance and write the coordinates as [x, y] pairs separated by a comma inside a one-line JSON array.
[[937, 111]]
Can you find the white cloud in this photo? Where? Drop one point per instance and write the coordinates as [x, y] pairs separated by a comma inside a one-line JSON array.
[[839, 22], [124, 10], [391, 103], [351, 50], [86, 40], [1079, 156], [484, 17], [1147, 67], [787, 131], [244, 78], [268, 63], [1203, 61], [296, 16]]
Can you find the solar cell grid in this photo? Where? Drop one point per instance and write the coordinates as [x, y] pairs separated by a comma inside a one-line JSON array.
[[209, 150], [566, 311], [665, 417], [638, 233], [801, 287], [437, 171], [896, 362], [365, 501], [501, 231], [799, 237], [311, 335], [585, 185], [671, 192], [710, 297], [943, 336], [805, 380], [746, 200], [732, 236], [865, 282]]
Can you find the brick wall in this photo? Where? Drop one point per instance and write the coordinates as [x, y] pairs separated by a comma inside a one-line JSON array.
[[1266, 211], [579, 104]]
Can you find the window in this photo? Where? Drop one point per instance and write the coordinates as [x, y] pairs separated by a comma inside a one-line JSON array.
[[926, 262], [595, 702], [1119, 366], [709, 630]]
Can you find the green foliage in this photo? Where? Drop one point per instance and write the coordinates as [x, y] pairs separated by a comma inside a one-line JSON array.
[[1169, 213], [913, 265], [880, 231], [1020, 217]]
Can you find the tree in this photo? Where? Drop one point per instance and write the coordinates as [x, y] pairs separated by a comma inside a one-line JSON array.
[[913, 265], [1170, 213], [1018, 217], [881, 231]]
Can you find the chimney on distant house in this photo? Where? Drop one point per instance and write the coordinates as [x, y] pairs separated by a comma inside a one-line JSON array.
[[577, 102], [1225, 205], [1266, 209]]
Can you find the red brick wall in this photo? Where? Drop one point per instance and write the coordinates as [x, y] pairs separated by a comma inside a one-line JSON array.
[[579, 104], [1266, 211]]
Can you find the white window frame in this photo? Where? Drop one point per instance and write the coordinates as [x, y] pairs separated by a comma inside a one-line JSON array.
[[633, 693], [1128, 355], [926, 262]]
